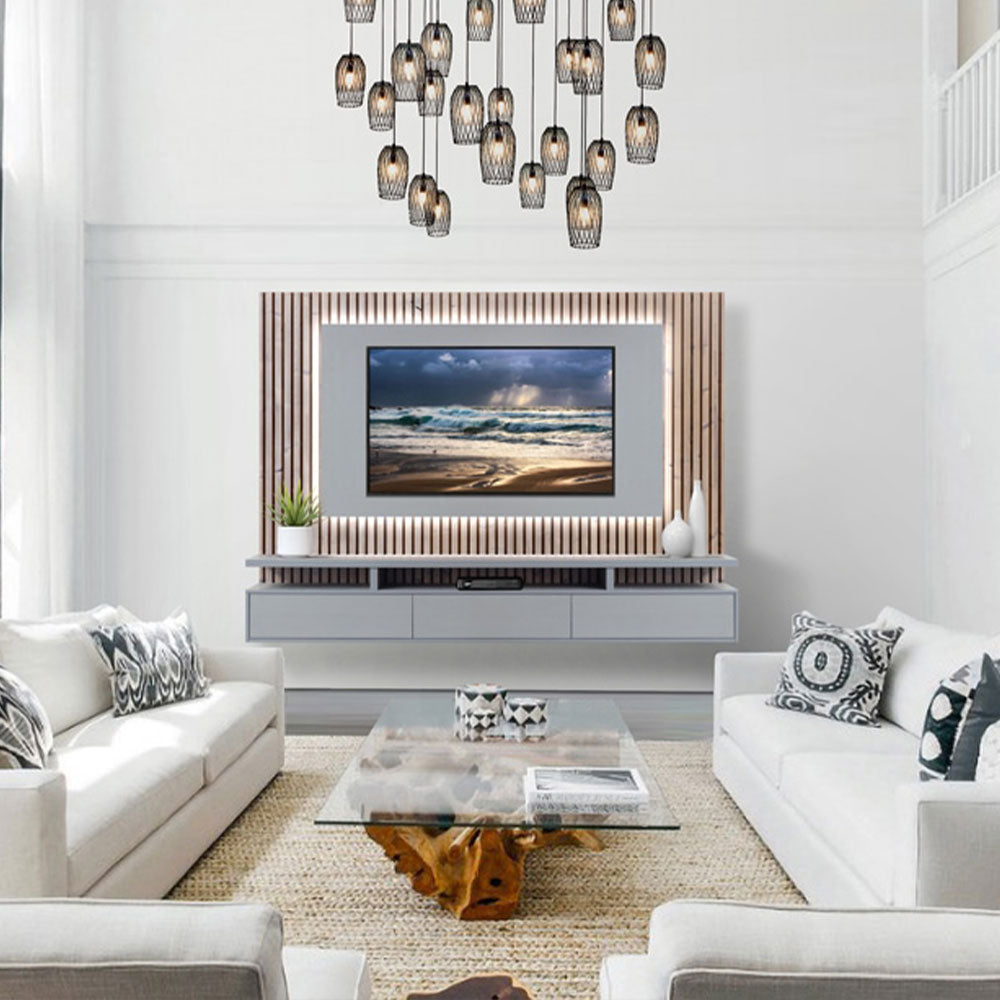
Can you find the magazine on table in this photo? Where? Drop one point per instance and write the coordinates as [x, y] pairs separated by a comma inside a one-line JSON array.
[[585, 789]]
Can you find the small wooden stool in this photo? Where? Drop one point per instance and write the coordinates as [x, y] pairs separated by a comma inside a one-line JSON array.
[[490, 987]]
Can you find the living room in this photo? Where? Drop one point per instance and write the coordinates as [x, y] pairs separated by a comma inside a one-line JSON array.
[[282, 566]]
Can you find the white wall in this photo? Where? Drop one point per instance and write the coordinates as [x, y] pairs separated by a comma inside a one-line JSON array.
[[789, 177]]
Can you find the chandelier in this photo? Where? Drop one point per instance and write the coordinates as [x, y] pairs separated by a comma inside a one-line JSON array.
[[420, 63]]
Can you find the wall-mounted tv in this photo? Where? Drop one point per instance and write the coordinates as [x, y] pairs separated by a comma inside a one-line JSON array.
[[529, 421]]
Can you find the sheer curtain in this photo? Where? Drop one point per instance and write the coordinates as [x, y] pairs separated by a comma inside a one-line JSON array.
[[42, 349]]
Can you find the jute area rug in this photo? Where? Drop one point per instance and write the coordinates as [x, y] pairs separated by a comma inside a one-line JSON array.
[[336, 889]]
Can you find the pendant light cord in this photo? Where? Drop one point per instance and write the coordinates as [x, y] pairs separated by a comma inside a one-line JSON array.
[[395, 35], [437, 149], [603, 44], [409, 20], [382, 70], [467, 42], [555, 75], [500, 44], [642, 31], [532, 132], [583, 135], [350, 44]]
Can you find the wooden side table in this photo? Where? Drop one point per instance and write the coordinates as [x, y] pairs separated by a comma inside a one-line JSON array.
[[494, 986]]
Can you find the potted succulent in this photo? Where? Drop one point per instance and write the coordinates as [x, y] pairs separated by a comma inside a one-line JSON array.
[[296, 516]]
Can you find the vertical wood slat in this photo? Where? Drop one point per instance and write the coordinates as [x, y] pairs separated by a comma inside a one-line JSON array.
[[693, 422]]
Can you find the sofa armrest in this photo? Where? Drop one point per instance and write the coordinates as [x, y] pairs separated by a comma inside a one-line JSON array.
[[251, 663], [32, 833], [744, 673], [946, 833], [715, 948]]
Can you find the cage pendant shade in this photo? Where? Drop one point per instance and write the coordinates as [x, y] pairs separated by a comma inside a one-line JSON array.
[[497, 152], [529, 11], [479, 20], [359, 11], [431, 100], [437, 43], [584, 216], [587, 73], [554, 151], [621, 20], [381, 106], [349, 80], [439, 220], [393, 172], [642, 134], [564, 59], [531, 185], [423, 192], [409, 66], [500, 105], [650, 62], [466, 114], [601, 164]]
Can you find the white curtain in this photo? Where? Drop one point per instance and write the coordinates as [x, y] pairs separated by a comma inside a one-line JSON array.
[[42, 346]]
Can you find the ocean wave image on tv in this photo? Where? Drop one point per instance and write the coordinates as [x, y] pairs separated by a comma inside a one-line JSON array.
[[518, 420]]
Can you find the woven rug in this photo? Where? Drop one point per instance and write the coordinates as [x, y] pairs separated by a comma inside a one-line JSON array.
[[336, 888]]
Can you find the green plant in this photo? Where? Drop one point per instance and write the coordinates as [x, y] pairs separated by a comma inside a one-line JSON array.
[[294, 510]]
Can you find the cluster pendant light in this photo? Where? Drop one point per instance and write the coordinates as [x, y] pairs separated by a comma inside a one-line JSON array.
[[418, 70], [479, 20]]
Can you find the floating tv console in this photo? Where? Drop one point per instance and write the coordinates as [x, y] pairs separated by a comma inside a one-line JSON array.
[[564, 597]]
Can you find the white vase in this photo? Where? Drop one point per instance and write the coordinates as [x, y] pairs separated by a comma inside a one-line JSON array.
[[698, 518], [297, 541], [678, 537]]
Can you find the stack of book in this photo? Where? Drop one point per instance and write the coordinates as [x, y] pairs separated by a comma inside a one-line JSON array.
[[586, 790]]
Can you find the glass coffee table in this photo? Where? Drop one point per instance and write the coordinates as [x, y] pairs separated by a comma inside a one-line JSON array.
[[451, 814]]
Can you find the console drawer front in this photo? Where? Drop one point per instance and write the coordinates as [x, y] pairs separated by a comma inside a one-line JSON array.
[[479, 615], [674, 616], [317, 616]]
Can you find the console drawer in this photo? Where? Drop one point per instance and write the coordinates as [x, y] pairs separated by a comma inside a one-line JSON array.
[[317, 615], [478, 615], [694, 614]]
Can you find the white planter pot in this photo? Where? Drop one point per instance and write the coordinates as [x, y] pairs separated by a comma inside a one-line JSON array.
[[297, 541]]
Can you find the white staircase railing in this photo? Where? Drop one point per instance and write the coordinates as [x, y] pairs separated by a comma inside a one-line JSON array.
[[967, 126]]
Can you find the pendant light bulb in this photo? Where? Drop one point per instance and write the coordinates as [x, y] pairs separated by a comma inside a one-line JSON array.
[[531, 185], [497, 153], [554, 151], [500, 106], [601, 164], [409, 67], [349, 80], [621, 20], [422, 195], [642, 134], [439, 221], [466, 114], [437, 43], [381, 106], [650, 62], [393, 172], [479, 20]]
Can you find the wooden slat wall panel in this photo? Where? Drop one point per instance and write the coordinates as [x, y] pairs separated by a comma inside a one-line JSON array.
[[693, 333]]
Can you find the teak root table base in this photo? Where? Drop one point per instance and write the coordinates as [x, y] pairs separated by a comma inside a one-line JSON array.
[[491, 987], [475, 873]]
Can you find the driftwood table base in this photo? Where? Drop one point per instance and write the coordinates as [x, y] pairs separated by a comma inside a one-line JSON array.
[[491, 987], [474, 872]]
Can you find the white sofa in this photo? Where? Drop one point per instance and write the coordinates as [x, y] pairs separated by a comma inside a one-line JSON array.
[[841, 806], [95, 949], [737, 951], [127, 805]]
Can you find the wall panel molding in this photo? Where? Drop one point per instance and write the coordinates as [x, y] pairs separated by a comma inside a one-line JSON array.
[[693, 333]]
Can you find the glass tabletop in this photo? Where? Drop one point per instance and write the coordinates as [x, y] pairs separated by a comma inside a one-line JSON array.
[[412, 770]]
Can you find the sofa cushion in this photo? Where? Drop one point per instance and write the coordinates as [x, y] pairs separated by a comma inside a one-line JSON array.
[[116, 796], [217, 727], [767, 736], [140, 950], [57, 659], [849, 800], [924, 655]]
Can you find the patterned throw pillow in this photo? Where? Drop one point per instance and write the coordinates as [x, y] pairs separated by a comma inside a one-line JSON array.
[[151, 663], [25, 733], [945, 715], [835, 671], [983, 713]]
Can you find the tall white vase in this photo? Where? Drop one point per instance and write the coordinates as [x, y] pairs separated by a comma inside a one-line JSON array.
[[698, 519], [677, 537]]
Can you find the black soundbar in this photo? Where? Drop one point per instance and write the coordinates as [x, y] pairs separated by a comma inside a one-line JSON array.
[[490, 583]]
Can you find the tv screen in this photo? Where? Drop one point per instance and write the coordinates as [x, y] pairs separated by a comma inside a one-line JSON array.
[[486, 420]]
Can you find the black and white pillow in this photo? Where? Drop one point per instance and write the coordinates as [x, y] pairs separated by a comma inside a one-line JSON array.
[[983, 713], [945, 714], [835, 671], [25, 733], [151, 663]]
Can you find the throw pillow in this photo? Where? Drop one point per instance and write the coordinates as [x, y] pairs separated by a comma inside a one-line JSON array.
[[988, 765], [56, 659], [943, 720], [25, 733], [151, 663], [984, 711], [835, 671]]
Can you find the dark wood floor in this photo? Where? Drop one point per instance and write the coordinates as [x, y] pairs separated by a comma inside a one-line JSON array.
[[649, 715]]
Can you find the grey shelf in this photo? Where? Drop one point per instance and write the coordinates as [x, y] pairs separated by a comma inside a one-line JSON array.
[[491, 562]]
